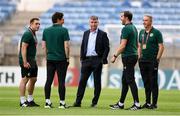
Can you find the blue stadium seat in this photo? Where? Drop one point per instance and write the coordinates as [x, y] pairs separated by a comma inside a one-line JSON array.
[[77, 14], [7, 8]]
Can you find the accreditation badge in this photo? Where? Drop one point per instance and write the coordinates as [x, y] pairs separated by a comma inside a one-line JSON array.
[[144, 46]]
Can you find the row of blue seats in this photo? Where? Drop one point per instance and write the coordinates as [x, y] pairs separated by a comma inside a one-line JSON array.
[[6, 10], [166, 4], [74, 32], [75, 36], [78, 38], [157, 14], [83, 16], [138, 20], [120, 3], [77, 14], [111, 9]]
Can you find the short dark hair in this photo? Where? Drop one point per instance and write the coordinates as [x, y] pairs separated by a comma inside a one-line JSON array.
[[33, 19], [56, 16], [128, 14]]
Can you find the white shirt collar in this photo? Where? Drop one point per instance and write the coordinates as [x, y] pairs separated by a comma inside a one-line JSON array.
[[94, 31]]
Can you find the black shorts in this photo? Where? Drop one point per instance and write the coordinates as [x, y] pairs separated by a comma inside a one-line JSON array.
[[31, 72]]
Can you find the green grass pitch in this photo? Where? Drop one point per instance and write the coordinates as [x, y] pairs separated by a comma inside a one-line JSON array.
[[168, 104]]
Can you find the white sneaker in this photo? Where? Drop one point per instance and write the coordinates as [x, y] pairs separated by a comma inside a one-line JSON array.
[[48, 105], [63, 106]]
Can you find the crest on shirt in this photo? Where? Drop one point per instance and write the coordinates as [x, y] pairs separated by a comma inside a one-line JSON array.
[[151, 34]]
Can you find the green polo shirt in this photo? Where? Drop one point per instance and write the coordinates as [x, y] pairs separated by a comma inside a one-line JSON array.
[[130, 33], [31, 40], [151, 50], [55, 36]]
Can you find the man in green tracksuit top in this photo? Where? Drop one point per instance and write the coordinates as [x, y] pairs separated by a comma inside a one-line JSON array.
[[128, 51], [150, 51], [27, 61], [56, 45]]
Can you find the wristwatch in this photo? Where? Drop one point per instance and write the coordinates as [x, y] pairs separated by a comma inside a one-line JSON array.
[[115, 56]]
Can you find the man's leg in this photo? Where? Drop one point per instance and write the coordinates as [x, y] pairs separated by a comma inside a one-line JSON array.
[[97, 83], [86, 71], [124, 88], [130, 78], [31, 86], [146, 80], [124, 82], [22, 89], [22, 86], [120, 104], [131, 82], [61, 72], [50, 76], [155, 88]]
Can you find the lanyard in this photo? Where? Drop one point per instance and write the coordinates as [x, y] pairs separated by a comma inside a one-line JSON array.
[[34, 36], [147, 37]]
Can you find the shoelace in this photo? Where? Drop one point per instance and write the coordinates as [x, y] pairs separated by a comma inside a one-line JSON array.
[[133, 108]]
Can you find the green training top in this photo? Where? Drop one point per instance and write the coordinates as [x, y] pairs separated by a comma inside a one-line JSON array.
[[130, 33], [29, 38], [151, 42], [55, 36]]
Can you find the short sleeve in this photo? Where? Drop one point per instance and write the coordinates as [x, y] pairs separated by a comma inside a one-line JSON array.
[[124, 33], [44, 37], [159, 37], [140, 36], [66, 35], [26, 37]]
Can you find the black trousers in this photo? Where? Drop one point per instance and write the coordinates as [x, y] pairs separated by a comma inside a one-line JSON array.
[[89, 65], [61, 68], [128, 79], [149, 73]]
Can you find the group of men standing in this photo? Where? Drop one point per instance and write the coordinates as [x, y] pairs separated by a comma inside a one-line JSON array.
[[147, 49]]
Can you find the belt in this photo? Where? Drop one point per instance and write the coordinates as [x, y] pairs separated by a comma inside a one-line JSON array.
[[92, 57]]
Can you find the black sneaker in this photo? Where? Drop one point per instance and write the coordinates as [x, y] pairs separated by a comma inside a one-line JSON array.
[[32, 104], [146, 105], [63, 106], [76, 105], [116, 106], [93, 105], [134, 107], [153, 106], [23, 104], [48, 105]]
